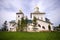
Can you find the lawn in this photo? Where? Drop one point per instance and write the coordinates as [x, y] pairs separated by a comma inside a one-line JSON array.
[[29, 36]]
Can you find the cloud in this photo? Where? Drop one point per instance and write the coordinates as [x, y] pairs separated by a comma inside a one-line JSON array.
[[6, 15], [8, 9]]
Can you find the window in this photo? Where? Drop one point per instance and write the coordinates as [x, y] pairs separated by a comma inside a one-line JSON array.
[[43, 27], [35, 29], [28, 28], [41, 18], [10, 29], [39, 25], [18, 16], [12, 25]]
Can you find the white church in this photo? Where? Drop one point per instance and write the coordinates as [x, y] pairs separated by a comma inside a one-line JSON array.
[[42, 22]]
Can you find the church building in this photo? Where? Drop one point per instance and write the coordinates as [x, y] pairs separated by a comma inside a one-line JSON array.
[[43, 24]]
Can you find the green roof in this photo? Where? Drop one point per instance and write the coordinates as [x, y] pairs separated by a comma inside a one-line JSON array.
[[29, 21], [12, 21]]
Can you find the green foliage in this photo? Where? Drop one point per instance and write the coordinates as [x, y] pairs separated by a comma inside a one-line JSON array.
[[18, 23], [5, 26], [29, 35], [26, 22], [22, 23], [59, 25], [18, 28], [34, 21]]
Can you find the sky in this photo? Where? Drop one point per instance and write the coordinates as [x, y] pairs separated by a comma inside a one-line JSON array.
[[9, 8]]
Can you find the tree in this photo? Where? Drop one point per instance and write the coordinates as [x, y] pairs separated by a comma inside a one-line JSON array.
[[18, 29], [59, 25], [22, 23], [4, 26], [34, 22], [49, 27], [26, 22]]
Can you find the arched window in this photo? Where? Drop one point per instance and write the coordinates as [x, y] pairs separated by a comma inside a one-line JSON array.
[[39, 25], [43, 27], [49, 27]]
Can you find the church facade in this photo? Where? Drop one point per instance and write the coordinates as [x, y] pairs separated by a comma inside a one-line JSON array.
[[43, 24]]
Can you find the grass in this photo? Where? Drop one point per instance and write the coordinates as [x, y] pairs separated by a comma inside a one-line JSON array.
[[29, 36]]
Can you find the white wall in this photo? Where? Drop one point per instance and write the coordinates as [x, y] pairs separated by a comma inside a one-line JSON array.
[[18, 18], [40, 16], [45, 25], [11, 27], [30, 27]]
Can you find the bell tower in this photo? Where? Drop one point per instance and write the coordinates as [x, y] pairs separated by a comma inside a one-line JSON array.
[[37, 14], [19, 15]]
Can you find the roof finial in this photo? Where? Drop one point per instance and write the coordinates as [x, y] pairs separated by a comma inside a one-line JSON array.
[[20, 10], [36, 8]]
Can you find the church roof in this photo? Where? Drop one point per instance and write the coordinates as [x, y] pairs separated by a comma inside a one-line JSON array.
[[19, 13], [13, 21], [45, 21], [29, 21], [37, 13]]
